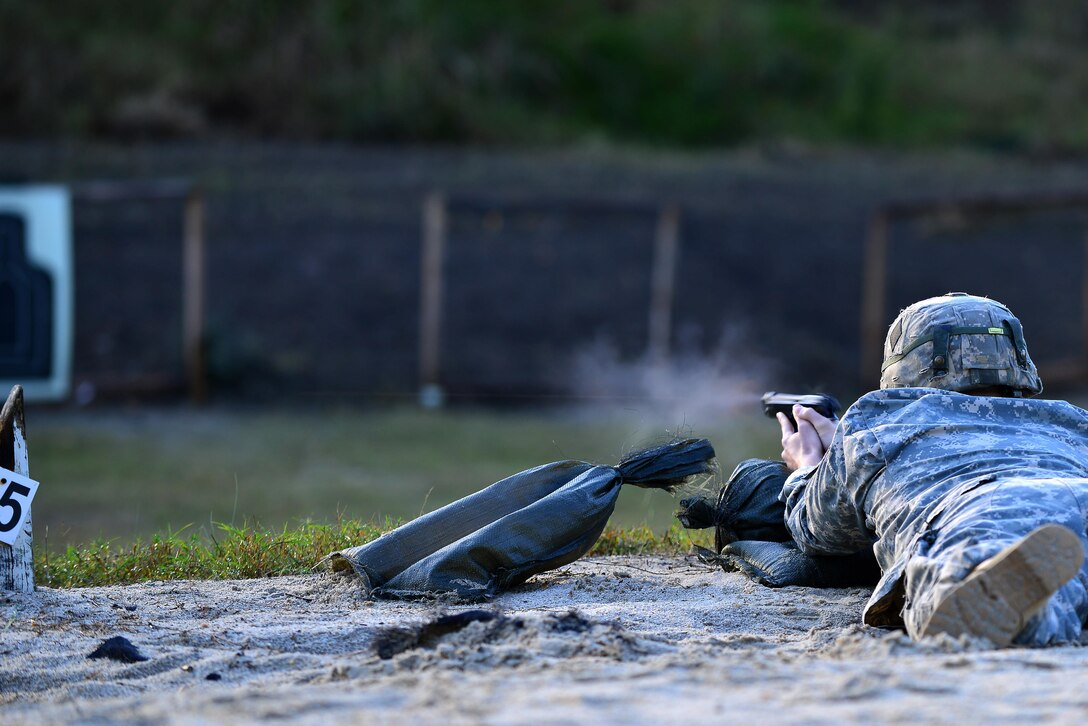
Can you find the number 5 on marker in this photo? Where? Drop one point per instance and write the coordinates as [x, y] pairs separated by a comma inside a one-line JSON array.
[[16, 493]]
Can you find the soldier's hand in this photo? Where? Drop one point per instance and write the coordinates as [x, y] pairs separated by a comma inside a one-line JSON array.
[[803, 446], [824, 426]]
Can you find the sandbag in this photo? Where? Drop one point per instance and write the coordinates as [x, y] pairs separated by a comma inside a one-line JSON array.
[[751, 537], [747, 506], [528, 523], [778, 564]]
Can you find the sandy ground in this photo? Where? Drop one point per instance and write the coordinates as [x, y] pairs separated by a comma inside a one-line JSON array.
[[643, 640]]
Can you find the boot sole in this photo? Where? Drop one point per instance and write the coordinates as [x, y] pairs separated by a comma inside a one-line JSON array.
[[997, 599]]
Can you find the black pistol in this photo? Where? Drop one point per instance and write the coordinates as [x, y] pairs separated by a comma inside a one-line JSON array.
[[824, 404]]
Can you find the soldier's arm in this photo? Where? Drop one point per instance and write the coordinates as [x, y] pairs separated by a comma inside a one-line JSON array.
[[825, 503]]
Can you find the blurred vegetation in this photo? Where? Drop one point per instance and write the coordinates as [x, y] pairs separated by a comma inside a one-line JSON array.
[[997, 73]]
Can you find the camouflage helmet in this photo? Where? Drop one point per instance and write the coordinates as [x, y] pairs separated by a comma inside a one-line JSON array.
[[958, 342]]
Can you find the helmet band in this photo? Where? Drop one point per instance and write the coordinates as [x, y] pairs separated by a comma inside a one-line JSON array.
[[940, 337]]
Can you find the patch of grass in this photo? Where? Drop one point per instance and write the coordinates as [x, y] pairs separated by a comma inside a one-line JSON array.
[[252, 551], [642, 540], [230, 553], [116, 476], [133, 483]]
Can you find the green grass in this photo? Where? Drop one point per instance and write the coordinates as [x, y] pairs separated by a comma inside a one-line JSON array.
[[227, 552], [156, 494], [119, 476]]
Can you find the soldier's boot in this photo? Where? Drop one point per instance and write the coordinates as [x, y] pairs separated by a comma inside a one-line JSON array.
[[999, 596]]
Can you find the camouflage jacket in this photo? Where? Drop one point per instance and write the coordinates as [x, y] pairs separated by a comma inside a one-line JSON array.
[[899, 455]]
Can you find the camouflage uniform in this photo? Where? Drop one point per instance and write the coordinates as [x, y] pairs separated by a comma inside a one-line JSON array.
[[936, 482]]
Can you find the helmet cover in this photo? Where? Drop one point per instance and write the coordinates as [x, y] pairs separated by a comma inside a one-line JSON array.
[[958, 342]]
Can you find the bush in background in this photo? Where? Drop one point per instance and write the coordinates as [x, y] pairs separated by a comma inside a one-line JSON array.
[[1007, 73]]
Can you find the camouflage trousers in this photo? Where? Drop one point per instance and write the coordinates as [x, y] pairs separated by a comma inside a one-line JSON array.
[[976, 525]]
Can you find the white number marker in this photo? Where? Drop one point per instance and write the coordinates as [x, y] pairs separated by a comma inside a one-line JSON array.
[[16, 493]]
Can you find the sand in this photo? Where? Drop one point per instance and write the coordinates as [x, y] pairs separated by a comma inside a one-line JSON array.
[[633, 639]]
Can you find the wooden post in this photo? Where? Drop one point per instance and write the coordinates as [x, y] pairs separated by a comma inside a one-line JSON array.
[[874, 291], [16, 563], [1084, 317], [430, 304], [193, 300], [663, 281]]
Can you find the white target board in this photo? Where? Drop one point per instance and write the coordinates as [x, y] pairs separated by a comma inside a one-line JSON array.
[[36, 314]]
